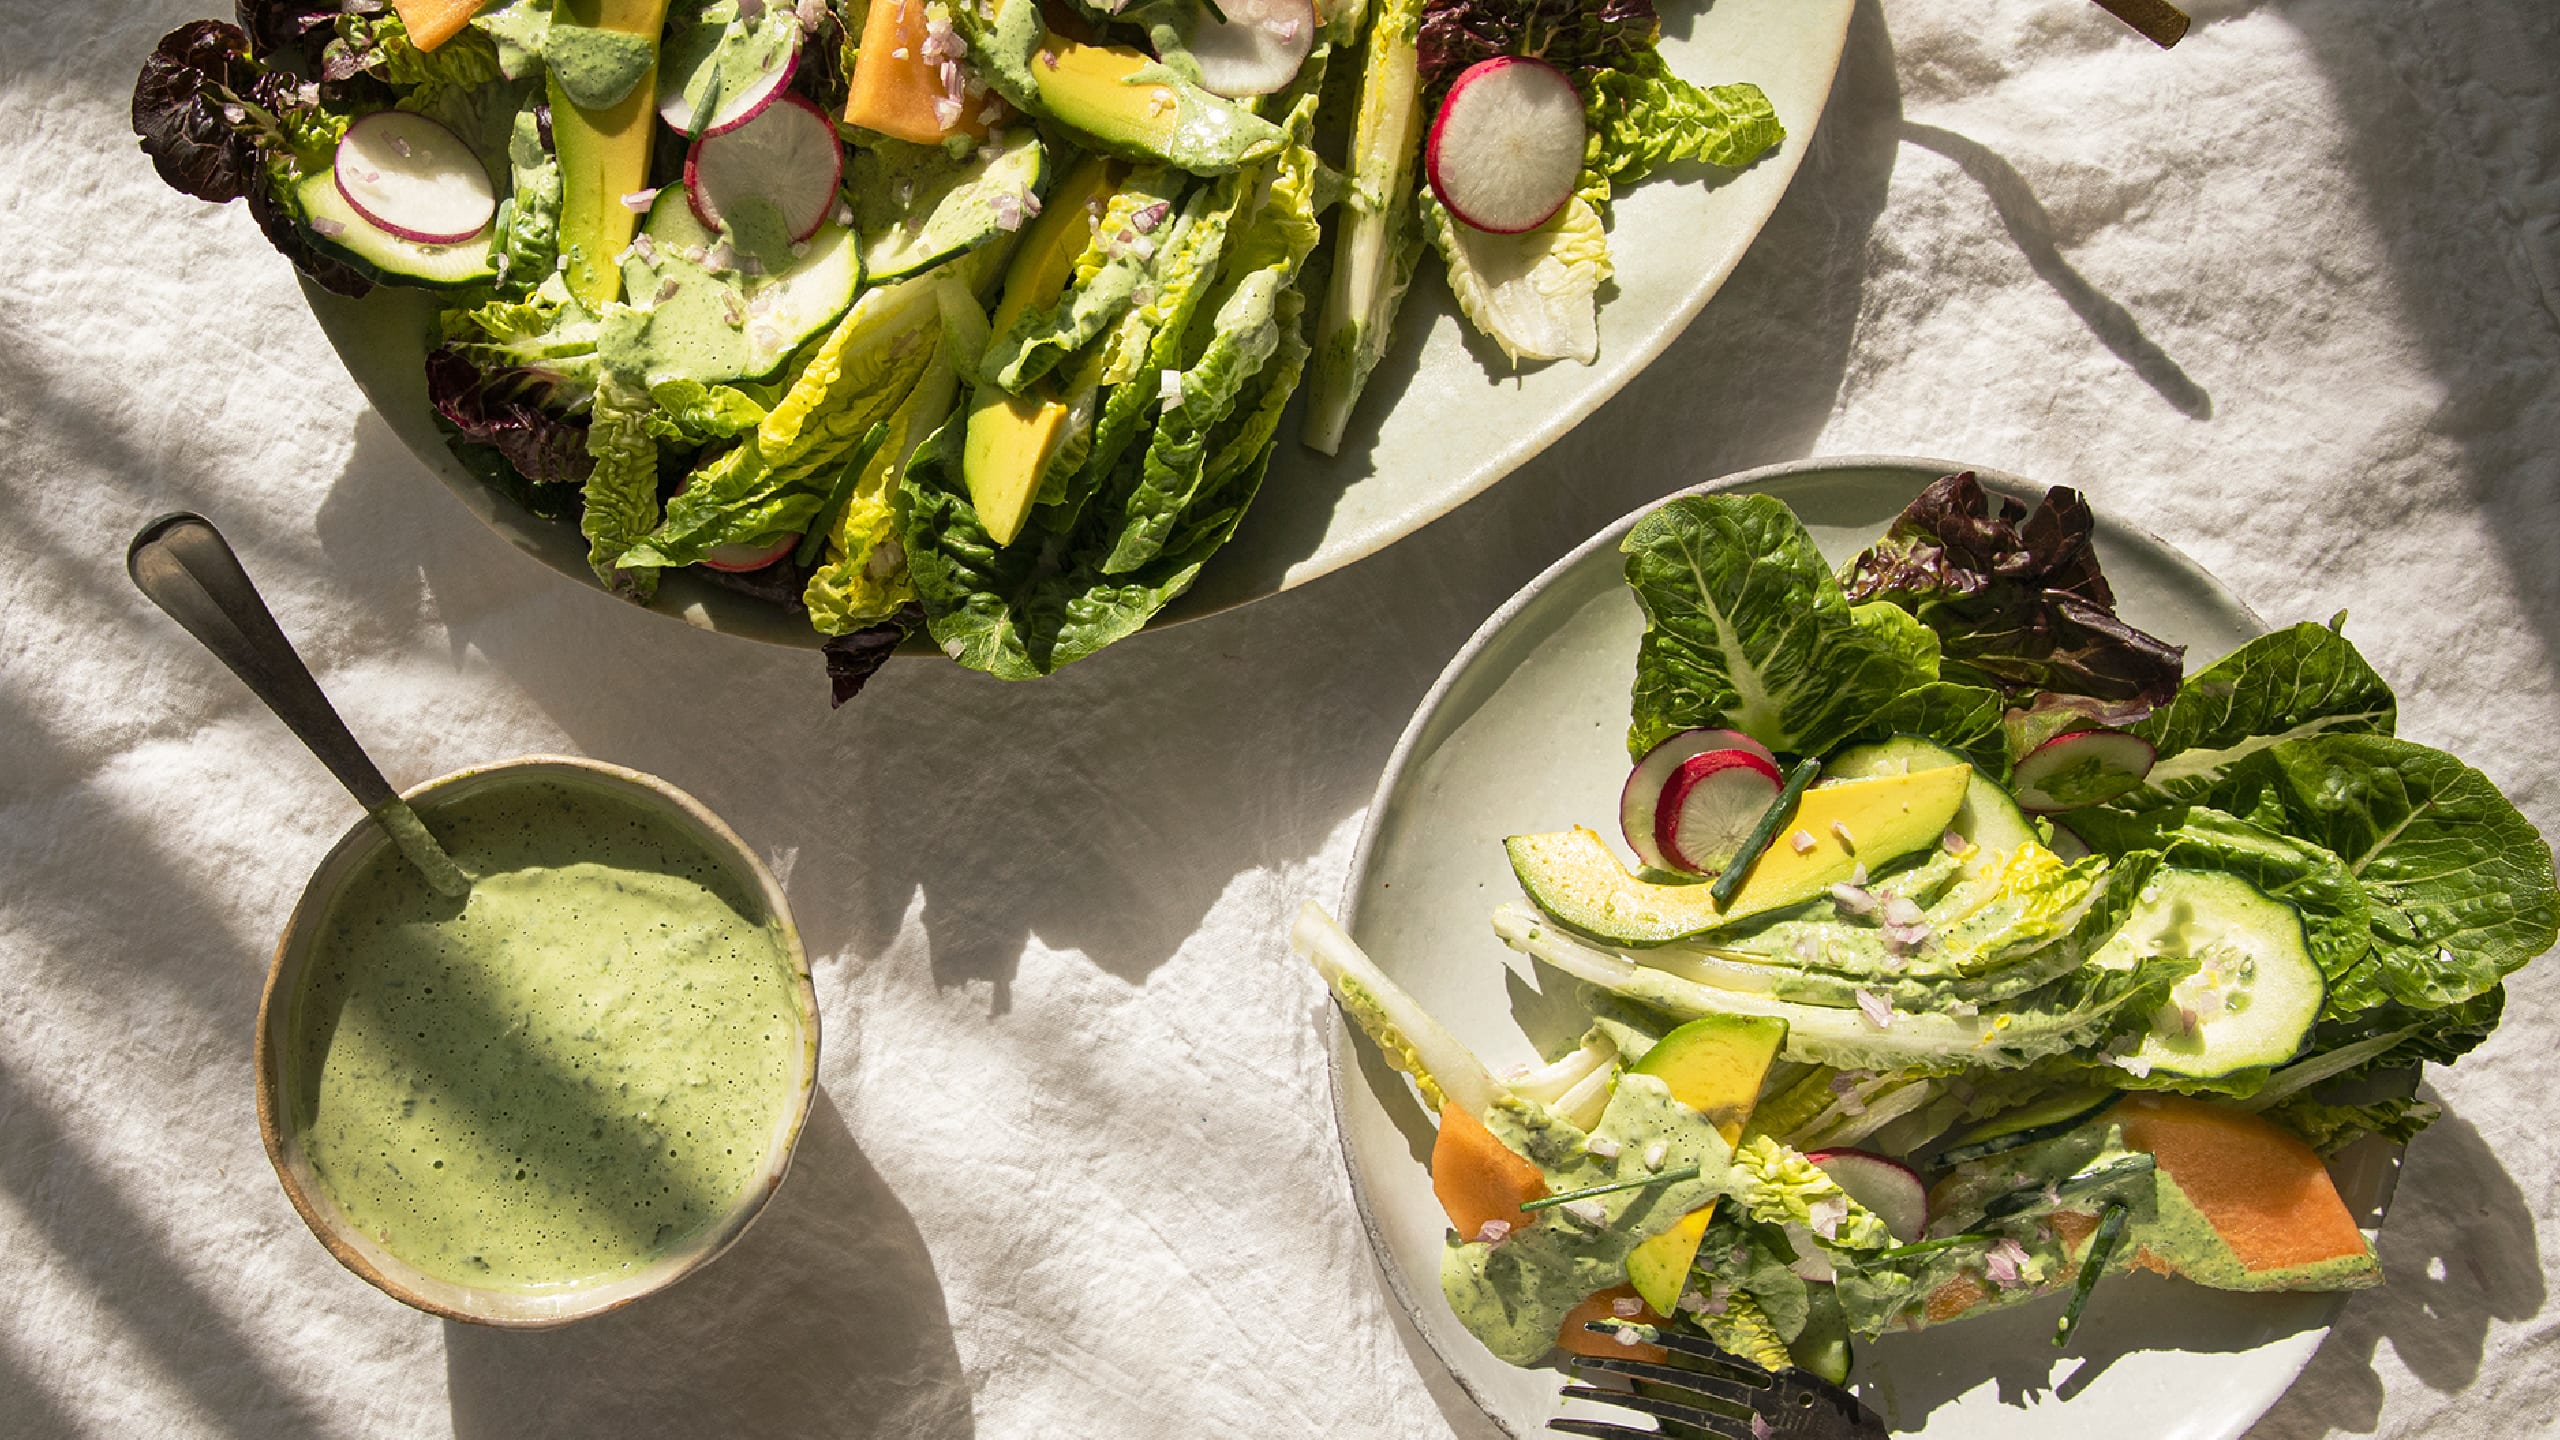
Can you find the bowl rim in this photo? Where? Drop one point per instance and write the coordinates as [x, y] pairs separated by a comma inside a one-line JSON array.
[[506, 1309]]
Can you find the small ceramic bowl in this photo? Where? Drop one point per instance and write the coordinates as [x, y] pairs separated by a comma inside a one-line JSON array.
[[399, 1278]]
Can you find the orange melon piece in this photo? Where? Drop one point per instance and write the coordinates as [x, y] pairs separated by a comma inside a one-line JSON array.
[[2265, 1194], [430, 23], [1477, 1177], [894, 86], [1603, 1306], [1956, 1299]]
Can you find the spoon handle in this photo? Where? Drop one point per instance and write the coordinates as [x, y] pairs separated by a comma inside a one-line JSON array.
[[187, 569]]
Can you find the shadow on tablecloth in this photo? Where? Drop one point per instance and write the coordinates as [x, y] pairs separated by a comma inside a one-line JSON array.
[[826, 1320]]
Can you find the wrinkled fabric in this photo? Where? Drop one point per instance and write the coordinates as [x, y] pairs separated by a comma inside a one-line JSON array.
[[2285, 296]]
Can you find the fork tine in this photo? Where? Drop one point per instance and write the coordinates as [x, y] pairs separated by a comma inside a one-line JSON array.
[[1717, 1387], [1721, 1422], [1603, 1430], [1722, 1362]]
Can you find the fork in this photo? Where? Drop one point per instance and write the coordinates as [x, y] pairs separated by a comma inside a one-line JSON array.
[[1722, 1396]]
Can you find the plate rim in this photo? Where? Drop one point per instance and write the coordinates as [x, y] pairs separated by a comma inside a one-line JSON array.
[[1428, 706]]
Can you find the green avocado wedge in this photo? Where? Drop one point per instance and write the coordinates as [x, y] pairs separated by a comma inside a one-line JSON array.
[[1577, 879]]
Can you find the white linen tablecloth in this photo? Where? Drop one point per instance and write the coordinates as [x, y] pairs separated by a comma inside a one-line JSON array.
[[2285, 296]]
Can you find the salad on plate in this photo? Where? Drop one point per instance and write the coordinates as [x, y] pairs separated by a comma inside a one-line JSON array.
[[1963, 950], [977, 317]]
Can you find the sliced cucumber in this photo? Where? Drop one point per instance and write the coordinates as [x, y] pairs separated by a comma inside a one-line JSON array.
[[1988, 817], [2030, 1124], [712, 325], [340, 230], [957, 211], [2255, 992]]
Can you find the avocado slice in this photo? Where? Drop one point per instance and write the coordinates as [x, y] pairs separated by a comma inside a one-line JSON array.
[[602, 77], [1011, 440], [1127, 101], [1988, 817], [1714, 1065], [1573, 875]]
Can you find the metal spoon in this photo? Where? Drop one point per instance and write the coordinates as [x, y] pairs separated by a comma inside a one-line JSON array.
[[183, 565]]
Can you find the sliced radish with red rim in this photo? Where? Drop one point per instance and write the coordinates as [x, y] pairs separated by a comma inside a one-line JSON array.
[[1887, 1187], [787, 156], [1255, 49], [1506, 148], [750, 555], [414, 178], [2085, 767], [1710, 807], [1641, 797]]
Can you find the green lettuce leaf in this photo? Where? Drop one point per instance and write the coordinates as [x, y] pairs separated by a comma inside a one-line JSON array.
[[863, 577], [1106, 281], [1641, 116], [776, 480], [1746, 629], [1964, 718], [2332, 1128], [689, 412], [2459, 886], [621, 502], [2079, 1012], [2300, 681], [529, 220], [1751, 1301], [1535, 294]]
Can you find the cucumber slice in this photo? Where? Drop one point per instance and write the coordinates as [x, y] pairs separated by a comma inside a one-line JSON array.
[[714, 325], [339, 229], [1988, 817], [957, 211], [2030, 1124], [2251, 1002]]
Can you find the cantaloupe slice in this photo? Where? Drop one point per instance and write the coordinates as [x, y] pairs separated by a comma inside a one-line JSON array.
[[430, 23], [1604, 1306], [894, 86], [2272, 1220], [1477, 1177]]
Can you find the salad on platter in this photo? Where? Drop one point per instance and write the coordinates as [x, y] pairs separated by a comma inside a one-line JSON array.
[[977, 317], [1965, 950]]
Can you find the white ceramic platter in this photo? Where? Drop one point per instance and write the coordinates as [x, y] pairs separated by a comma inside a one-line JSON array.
[[1525, 732], [1443, 418]]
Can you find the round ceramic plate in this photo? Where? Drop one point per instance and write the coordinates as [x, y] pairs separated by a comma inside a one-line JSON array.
[[1444, 417], [1525, 732]]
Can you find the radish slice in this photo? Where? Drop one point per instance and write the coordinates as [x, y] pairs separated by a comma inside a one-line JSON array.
[[1506, 147], [1710, 806], [691, 59], [786, 156], [2085, 767], [753, 555], [1641, 797], [1255, 50], [414, 178], [1887, 1187]]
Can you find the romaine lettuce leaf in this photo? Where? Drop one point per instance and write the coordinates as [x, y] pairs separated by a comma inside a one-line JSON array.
[[2300, 681], [1642, 116], [864, 577], [2077, 1013], [1746, 629], [2331, 1128], [622, 489], [1964, 718], [2016, 597], [2459, 886], [529, 221], [777, 479], [1535, 294], [1135, 241]]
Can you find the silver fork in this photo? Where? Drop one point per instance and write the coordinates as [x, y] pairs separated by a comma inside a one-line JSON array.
[[1720, 1395]]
